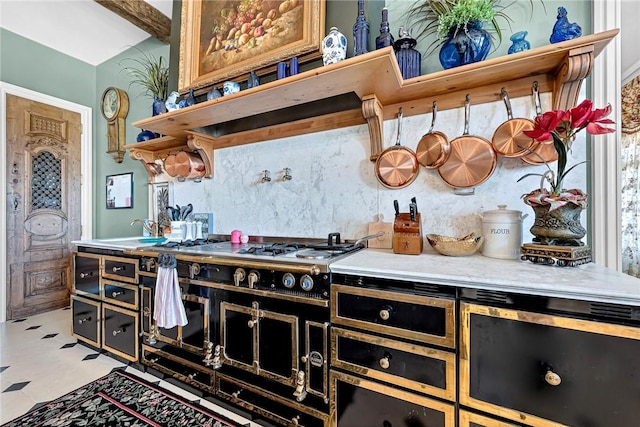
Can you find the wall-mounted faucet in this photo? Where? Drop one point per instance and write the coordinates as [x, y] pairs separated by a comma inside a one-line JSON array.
[[266, 177], [287, 174]]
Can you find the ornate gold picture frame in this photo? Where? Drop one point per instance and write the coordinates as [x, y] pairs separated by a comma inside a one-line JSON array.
[[224, 40]]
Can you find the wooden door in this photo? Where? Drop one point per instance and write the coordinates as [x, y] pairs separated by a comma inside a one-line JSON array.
[[43, 204]]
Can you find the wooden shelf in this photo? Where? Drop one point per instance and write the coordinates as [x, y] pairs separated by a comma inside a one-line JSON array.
[[376, 80]]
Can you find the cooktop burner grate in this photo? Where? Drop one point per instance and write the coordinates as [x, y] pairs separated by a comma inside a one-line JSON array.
[[186, 243], [273, 249]]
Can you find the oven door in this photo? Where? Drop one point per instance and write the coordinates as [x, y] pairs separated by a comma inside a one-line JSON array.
[[194, 336], [260, 341]]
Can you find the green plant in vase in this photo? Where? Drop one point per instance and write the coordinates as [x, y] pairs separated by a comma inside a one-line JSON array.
[[464, 28], [152, 75]]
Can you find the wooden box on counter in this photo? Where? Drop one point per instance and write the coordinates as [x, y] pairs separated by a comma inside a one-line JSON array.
[[407, 234]]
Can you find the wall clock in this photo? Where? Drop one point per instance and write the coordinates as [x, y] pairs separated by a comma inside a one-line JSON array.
[[114, 106]]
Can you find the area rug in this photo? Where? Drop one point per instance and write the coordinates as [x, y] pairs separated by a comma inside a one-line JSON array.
[[121, 399]]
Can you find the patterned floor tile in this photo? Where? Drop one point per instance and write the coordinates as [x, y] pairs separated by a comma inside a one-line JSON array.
[[16, 386], [32, 327], [49, 336], [2, 368], [70, 345], [91, 356]]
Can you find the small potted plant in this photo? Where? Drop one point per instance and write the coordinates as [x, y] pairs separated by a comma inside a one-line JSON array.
[[152, 75], [460, 26]]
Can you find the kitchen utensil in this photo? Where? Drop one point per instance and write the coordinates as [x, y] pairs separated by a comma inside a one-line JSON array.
[[544, 151], [189, 165], [170, 165], [396, 207], [397, 166], [472, 159], [451, 246], [334, 243], [502, 232], [508, 139], [433, 148], [386, 228]]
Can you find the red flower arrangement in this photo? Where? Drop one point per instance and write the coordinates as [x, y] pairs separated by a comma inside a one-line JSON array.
[[562, 126]]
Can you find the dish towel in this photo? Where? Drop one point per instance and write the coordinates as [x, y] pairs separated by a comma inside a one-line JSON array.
[[168, 310]]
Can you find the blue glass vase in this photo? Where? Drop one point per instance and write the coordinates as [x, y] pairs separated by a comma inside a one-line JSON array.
[[158, 106], [145, 135], [360, 32], [409, 59], [465, 46], [519, 44]]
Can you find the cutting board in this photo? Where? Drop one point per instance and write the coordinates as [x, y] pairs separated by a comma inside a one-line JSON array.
[[384, 242]]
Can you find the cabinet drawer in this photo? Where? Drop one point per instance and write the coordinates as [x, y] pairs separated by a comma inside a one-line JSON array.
[[470, 419], [410, 366], [120, 331], [85, 322], [120, 269], [415, 317], [268, 405], [357, 403], [120, 293], [87, 274], [548, 370], [182, 369]]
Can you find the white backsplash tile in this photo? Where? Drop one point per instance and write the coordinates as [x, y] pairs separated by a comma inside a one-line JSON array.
[[334, 187]]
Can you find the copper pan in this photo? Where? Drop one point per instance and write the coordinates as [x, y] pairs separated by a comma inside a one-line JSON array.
[[544, 151], [189, 165], [508, 139], [397, 166], [433, 148], [170, 165], [472, 159]]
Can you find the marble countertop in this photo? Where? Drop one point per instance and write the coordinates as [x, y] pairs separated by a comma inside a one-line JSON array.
[[590, 282], [121, 243]]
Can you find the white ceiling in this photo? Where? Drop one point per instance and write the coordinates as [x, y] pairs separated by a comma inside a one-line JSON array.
[[89, 32], [82, 29]]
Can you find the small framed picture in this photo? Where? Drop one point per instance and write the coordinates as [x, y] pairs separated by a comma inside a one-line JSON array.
[[120, 191]]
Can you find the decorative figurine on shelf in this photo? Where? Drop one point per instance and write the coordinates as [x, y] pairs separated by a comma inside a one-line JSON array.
[[213, 94], [563, 30], [519, 44], [172, 101], [334, 47], [360, 32], [385, 38], [191, 99], [253, 80], [408, 58]]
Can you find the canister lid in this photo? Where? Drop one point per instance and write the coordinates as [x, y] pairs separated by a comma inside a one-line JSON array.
[[504, 213]]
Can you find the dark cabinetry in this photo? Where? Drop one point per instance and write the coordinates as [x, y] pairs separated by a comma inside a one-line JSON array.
[[105, 303], [547, 369], [393, 360]]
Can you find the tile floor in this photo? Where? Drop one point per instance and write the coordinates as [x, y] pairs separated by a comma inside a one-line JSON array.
[[40, 361]]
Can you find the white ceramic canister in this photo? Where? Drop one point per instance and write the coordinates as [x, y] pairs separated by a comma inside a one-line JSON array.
[[502, 232]]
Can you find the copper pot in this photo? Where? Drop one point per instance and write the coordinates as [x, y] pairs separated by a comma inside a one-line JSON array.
[[189, 165], [397, 166], [170, 165]]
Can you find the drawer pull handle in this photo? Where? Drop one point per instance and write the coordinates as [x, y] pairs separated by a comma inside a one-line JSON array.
[[86, 319], [116, 269], [252, 323], [552, 378], [295, 420], [236, 395], [85, 275], [384, 362], [385, 313], [192, 375], [116, 293], [119, 331]]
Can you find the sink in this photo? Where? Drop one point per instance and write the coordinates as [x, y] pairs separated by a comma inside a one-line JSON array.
[[152, 240]]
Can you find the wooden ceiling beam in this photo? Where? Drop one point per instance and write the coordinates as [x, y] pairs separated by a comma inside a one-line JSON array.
[[142, 15]]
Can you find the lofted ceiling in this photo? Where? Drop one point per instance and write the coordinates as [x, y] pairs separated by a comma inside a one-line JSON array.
[[92, 31]]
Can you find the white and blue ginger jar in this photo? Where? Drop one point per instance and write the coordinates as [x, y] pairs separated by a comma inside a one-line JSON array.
[[334, 47]]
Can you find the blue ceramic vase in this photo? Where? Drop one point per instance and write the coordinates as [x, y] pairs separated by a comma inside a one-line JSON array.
[[518, 42], [334, 47], [465, 46], [145, 135], [158, 106]]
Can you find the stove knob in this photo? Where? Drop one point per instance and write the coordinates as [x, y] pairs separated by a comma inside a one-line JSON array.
[[306, 283], [254, 278], [288, 280], [239, 276]]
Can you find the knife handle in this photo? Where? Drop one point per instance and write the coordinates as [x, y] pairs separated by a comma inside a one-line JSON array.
[[396, 207]]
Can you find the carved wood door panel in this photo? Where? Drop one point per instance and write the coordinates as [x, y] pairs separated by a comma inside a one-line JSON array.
[[43, 205]]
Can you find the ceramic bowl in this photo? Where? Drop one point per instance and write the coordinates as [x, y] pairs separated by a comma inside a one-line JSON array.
[[452, 246]]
